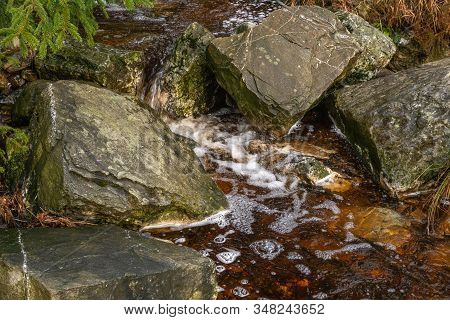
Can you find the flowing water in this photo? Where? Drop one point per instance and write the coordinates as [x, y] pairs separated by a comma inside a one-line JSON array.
[[286, 235]]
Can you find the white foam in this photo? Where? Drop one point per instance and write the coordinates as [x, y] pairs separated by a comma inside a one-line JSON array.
[[328, 254], [294, 256], [303, 269], [329, 205]]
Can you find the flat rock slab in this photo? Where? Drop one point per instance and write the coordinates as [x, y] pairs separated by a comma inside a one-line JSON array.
[[400, 125], [281, 68], [99, 262], [383, 226]]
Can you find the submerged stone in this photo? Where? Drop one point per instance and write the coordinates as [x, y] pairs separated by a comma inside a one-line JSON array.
[[99, 155], [377, 48], [187, 84], [400, 126], [280, 69], [383, 226], [117, 69], [101, 262]]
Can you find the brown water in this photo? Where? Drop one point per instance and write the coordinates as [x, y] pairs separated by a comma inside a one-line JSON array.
[[282, 238]]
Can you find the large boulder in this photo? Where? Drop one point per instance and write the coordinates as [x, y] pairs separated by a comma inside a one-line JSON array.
[[99, 155], [377, 48], [102, 262], [279, 69], [117, 69], [188, 85], [400, 125]]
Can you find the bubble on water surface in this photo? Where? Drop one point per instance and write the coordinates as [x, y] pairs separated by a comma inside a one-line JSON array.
[[228, 256], [220, 268], [244, 281], [240, 292], [267, 249]]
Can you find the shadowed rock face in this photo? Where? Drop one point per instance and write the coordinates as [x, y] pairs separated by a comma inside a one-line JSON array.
[[400, 125], [116, 69], [188, 85], [101, 262], [280, 69], [96, 154]]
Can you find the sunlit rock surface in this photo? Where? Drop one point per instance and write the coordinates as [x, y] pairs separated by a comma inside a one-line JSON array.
[[117, 69], [101, 262], [400, 125], [377, 48], [99, 155], [280, 69]]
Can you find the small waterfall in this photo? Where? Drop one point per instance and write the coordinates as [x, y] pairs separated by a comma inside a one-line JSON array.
[[24, 265], [155, 90]]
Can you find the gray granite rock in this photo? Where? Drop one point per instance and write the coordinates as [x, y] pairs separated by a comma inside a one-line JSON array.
[[281, 68], [400, 125], [99, 262], [96, 154]]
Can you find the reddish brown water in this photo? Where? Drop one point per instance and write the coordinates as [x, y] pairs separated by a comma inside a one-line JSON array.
[[282, 238]]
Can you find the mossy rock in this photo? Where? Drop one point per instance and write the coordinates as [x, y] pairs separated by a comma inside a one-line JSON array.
[[400, 126], [113, 68], [188, 85], [14, 152], [98, 155]]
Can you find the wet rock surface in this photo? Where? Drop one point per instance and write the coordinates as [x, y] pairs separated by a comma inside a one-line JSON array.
[[377, 48], [102, 262], [280, 69], [117, 69], [399, 124], [187, 86], [98, 155], [383, 226]]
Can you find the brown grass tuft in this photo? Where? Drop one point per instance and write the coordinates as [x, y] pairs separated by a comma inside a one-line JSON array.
[[437, 203]]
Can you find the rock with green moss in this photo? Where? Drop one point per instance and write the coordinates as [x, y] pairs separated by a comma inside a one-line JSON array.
[[100, 262], [281, 68], [117, 69], [188, 85], [377, 48], [400, 125], [99, 155], [14, 152], [311, 170], [24, 106]]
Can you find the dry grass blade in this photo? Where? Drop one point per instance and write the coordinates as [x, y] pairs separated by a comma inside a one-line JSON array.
[[12, 208], [438, 203], [47, 220]]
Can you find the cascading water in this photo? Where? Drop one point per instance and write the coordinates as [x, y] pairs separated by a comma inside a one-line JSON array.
[[24, 265]]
